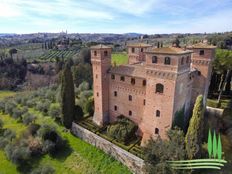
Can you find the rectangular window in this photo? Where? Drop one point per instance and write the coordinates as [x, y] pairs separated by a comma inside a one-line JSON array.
[[132, 50], [112, 76], [130, 113], [96, 76], [115, 93], [97, 94], [144, 82], [132, 81], [115, 108], [144, 102], [122, 78], [130, 98]]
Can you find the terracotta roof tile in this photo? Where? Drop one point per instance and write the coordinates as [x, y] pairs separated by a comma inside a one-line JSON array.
[[100, 46], [130, 70], [138, 45], [169, 50], [201, 45]]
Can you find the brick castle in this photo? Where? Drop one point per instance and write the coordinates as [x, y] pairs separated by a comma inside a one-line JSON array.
[[154, 85]]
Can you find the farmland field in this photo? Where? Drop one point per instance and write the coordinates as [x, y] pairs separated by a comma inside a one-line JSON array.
[[119, 58], [81, 158], [53, 54]]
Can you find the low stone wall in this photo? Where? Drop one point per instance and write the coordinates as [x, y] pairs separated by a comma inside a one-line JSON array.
[[216, 112], [134, 163]]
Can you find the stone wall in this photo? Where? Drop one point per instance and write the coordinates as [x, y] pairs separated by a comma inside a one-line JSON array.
[[134, 163], [215, 112]]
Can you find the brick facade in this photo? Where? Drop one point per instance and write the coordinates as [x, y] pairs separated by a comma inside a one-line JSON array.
[[154, 85]]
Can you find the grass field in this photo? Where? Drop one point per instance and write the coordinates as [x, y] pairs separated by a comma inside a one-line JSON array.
[[4, 94], [119, 58], [81, 158]]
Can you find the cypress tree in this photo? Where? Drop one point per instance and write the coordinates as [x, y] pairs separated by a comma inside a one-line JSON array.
[[193, 139], [67, 97]]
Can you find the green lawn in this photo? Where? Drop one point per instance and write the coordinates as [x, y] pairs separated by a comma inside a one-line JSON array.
[[81, 158], [119, 58]]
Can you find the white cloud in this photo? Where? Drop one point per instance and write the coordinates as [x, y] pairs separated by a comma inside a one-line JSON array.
[[9, 10]]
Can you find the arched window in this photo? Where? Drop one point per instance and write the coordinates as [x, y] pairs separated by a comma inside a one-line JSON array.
[[105, 53], [159, 88], [167, 60], [154, 59], [132, 81], [182, 60], [115, 108], [130, 113], [156, 131], [157, 113]]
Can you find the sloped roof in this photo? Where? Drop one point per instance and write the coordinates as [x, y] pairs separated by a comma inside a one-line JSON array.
[[139, 45], [169, 50], [130, 70], [201, 45], [100, 46]]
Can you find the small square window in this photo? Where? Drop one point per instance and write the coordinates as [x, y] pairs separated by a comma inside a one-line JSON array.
[[115, 93], [115, 108], [112, 76], [122, 78], [202, 52], [132, 81]]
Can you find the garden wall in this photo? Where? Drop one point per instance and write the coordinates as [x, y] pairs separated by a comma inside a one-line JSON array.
[[134, 163]]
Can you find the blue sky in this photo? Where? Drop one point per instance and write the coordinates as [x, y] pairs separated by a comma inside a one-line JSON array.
[[115, 16]]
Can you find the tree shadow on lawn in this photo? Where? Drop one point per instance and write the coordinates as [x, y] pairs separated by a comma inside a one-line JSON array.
[[63, 153]]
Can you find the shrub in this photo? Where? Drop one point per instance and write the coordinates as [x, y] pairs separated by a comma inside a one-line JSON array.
[[43, 170], [24, 109], [3, 142], [2, 106], [33, 128], [30, 103], [43, 106], [17, 113], [17, 154], [78, 113], [123, 129], [55, 111], [28, 118], [35, 146], [9, 134], [1, 124], [52, 141], [9, 106]]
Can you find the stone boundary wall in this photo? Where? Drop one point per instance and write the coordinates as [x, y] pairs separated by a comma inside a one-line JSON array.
[[214, 111], [134, 163]]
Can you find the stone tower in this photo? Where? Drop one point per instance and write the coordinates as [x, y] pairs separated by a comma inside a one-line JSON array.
[[202, 58], [101, 63], [167, 89]]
